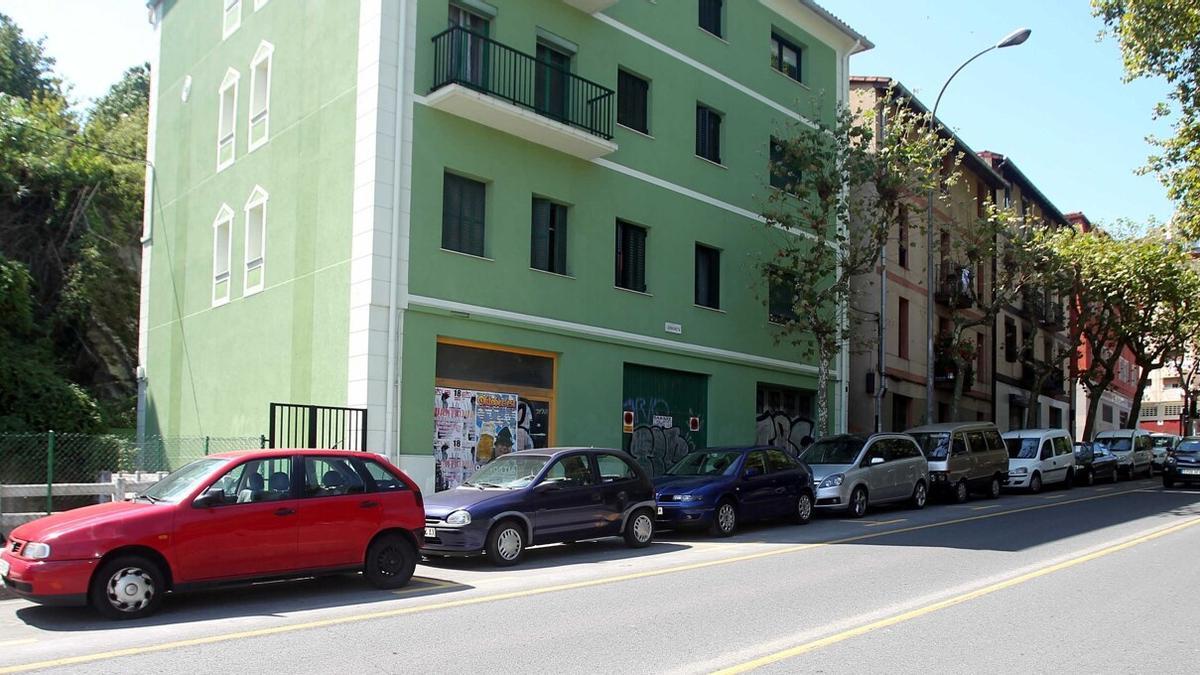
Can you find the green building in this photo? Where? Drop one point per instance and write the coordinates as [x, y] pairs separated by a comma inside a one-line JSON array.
[[491, 225]]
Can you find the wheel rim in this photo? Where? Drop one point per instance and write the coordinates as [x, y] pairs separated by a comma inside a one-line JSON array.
[[920, 494], [389, 562], [960, 491], [130, 589], [1091, 478], [860, 502], [726, 518], [805, 507], [643, 528], [995, 487], [508, 544], [1036, 484]]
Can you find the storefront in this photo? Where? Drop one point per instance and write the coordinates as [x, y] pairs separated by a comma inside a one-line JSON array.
[[488, 401]]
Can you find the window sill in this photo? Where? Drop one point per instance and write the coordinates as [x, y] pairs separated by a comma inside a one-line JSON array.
[[560, 275], [630, 290], [709, 161], [218, 303], [712, 35], [226, 165], [467, 255], [253, 291], [635, 131], [791, 79], [718, 310]]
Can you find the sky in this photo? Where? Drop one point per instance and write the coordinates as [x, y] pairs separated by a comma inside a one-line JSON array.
[[1056, 105]]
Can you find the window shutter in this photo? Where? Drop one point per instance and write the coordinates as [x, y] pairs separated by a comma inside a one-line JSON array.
[[451, 214], [639, 259], [701, 131], [473, 206], [539, 244], [559, 240], [714, 136]]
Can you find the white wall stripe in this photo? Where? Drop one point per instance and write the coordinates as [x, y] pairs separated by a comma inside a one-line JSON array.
[[704, 69], [609, 334], [679, 189]]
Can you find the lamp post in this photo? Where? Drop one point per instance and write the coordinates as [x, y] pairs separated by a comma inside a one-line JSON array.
[[1013, 39]]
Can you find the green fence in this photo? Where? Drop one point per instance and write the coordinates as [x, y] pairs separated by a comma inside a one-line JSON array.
[[49, 457]]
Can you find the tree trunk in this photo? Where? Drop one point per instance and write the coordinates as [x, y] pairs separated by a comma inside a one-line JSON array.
[[1089, 424], [1136, 410], [960, 369], [823, 392], [1035, 406]]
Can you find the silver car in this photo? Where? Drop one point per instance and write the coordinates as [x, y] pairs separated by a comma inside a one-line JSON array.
[[851, 473]]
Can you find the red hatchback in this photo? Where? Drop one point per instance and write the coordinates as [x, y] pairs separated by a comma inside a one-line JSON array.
[[228, 518]]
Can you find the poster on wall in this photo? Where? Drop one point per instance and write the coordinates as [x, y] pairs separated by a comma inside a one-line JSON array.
[[470, 428]]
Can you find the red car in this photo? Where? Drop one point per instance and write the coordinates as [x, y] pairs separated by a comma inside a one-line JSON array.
[[228, 518]]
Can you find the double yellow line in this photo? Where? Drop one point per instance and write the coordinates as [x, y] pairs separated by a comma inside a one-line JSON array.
[[466, 602]]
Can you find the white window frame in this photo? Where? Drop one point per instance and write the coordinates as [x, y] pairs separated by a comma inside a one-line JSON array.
[[224, 217], [265, 52], [258, 198], [227, 136], [231, 17], [258, 4]]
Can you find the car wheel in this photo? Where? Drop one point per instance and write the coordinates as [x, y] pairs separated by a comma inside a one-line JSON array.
[[920, 495], [127, 587], [804, 508], [961, 493], [725, 519], [1070, 483], [994, 488], [1089, 477], [391, 560], [1116, 474], [1167, 482], [1035, 483], [639, 529], [858, 502], [506, 543]]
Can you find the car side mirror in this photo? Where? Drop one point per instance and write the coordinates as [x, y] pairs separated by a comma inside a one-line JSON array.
[[210, 498], [546, 487], [876, 460], [752, 472]]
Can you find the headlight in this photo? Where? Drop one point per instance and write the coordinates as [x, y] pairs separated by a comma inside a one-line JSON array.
[[833, 481], [1171, 460], [689, 498], [1020, 471], [36, 551], [459, 518]]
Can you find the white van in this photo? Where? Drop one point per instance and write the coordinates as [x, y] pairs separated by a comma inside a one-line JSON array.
[[1132, 448], [1038, 457]]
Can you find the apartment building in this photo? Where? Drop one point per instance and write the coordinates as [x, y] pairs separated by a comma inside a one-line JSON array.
[[1032, 334], [490, 225], [894, 349]]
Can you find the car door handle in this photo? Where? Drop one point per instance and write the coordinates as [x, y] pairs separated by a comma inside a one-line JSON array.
[[368, 504], [284, 512]]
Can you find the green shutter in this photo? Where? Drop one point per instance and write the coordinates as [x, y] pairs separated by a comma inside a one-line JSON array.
[[539, 239]]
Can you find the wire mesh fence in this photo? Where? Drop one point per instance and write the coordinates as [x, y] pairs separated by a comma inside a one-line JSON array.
[[49, 458]]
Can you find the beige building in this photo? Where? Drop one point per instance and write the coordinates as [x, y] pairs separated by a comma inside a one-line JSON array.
[[1164, 401]]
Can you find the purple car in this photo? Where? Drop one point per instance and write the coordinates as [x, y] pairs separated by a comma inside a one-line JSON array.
[[541, 497]]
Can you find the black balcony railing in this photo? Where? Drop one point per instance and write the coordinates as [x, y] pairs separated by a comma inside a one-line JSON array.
[[956, 285], [473, 60]]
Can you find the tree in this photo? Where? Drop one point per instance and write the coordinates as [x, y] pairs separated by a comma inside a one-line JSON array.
[[842, 187], [1161, 38], [25, 70]]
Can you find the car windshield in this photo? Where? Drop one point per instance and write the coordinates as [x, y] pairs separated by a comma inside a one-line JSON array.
[[1022, 448], [1188, 447], [508, 471], [1161, 441], [707, 463], [1114, 444], [182, 482], [935, 445], [833, 451]]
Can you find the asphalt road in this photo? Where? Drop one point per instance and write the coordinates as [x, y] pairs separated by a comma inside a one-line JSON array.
[[1100, 579]]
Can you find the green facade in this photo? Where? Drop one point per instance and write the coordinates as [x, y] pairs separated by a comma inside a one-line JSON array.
[[292, 341]]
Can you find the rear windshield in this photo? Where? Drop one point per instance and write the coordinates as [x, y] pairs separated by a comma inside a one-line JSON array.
[[1022, 448], [1114, 444]]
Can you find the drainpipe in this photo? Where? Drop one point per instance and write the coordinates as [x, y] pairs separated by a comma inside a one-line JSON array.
[[881, 331]]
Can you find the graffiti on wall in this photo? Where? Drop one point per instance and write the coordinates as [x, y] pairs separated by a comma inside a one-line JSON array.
[[779, 430], [661, 437]]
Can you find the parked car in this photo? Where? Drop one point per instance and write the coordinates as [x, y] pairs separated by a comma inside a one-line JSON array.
[[963, 456], [1183, 464], [227, 518], [1038, 457], [720, 488], [1131, 447], [1160, 446], [541, 496], [1094, 463], [852, 473]]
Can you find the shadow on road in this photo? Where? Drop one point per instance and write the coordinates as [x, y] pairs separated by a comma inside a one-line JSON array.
[[258, 600], [561, 555]]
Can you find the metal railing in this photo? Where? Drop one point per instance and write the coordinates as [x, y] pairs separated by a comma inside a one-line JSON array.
[[297, 425], [475, 61], [956, 285]]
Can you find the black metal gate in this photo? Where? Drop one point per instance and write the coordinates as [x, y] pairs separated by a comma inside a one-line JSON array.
[[295, 425]]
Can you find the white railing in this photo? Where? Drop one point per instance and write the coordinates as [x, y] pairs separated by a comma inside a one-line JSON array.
[[118, 487]]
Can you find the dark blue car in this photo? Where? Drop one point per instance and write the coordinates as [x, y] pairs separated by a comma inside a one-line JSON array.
[[541, 497], [720, 487]]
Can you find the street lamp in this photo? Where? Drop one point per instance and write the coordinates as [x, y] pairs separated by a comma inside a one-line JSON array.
[[1013, 39]]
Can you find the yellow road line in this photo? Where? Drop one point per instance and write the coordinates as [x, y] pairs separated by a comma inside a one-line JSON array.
[[950, 602], [466, 602]]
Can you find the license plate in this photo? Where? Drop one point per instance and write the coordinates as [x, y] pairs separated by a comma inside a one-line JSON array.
[[1191, 472], [660, 510], [3, 568], [430, 533]]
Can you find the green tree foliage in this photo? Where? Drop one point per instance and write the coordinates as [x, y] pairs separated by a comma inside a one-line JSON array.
[[1161, 38], [70, 217]]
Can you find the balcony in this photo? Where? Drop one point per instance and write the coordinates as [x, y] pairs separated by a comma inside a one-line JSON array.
[[955, 285], [1053, 385], [484, 81], [591, 6], [945, 373]]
